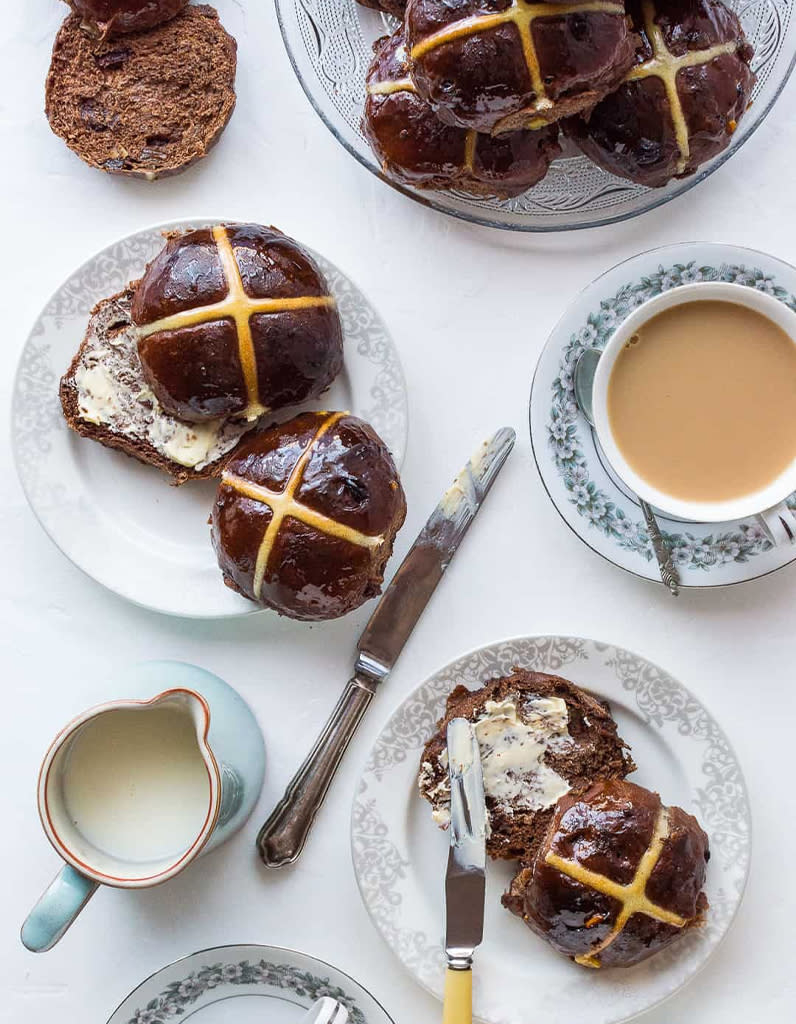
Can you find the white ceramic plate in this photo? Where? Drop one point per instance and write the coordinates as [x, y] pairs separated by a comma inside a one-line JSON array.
[[400, 855], [269, 984], [121, 522], [588, 495]]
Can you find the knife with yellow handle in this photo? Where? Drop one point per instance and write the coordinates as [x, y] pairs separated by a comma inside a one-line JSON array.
[[465, 878]]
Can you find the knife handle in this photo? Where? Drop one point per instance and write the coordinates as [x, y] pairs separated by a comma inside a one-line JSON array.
[[282, 837], [457, 1007]]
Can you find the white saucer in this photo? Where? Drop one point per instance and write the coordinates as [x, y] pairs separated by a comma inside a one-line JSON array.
[[121, 522], [400, 854], [588, 495], [268, 983]]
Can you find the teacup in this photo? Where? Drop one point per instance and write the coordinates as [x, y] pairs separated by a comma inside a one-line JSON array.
[[132, 791], [766, 503]]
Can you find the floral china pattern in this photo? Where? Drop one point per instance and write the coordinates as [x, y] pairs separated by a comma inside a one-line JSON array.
[[180, 995], [737, 543], [385, 871]]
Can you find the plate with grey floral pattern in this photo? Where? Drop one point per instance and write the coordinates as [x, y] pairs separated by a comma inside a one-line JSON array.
[[120, 521], [582, 485], [399, 853], [270, 983]]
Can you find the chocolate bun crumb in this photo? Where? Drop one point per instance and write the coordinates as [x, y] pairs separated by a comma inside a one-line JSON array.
[[572, 732], [148, 104], [128, 419]]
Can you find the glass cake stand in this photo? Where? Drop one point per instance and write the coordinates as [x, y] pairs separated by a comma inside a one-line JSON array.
[[329, 44]]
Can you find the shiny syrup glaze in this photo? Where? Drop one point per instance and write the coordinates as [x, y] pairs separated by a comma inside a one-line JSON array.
[[416, 148], [607, 829], [195, 372], [479, 80], [350, 477], [127, 15], [631, 133]]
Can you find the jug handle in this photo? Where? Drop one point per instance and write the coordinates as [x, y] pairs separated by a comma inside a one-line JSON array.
[[57, 908]]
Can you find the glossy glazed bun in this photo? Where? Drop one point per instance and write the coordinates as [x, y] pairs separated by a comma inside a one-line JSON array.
[[500, 65], [115, 17], [681, 103], [415, 148], [235, 320], [306, 516], [617, 877]]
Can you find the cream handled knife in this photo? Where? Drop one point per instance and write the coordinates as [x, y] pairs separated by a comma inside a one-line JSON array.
[[282, 837], [465, 877]]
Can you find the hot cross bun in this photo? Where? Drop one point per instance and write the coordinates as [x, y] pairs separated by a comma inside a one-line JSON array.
[[617, 877], [235, 320], [416, 148], [681, 103], [306, 516], [114, 17], [500, 65]]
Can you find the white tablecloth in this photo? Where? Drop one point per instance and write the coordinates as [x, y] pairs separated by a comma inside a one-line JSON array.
[[470, 310]]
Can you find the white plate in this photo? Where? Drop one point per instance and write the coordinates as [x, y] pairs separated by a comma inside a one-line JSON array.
[[270, 984], [592, 501], [121, 522], [400, 855]]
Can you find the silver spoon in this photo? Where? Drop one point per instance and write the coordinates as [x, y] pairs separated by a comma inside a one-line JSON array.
[[585, 368], [326, 1011]]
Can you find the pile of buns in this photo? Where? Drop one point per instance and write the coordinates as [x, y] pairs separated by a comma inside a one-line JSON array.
[[475, 96]]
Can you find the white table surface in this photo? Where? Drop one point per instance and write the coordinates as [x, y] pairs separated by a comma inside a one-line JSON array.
[[470, 310]]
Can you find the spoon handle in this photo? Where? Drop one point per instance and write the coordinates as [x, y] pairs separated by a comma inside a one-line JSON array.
[[669, 574]]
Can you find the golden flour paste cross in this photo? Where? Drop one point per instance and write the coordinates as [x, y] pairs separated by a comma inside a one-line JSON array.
[[284, 505], [664, 65], [522, 15], [632, 896], [240, 308]]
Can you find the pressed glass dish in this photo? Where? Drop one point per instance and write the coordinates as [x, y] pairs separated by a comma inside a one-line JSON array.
[[329, 43]]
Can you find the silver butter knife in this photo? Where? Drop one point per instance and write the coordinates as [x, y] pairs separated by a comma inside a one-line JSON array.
[[282, 837], [465, 883]]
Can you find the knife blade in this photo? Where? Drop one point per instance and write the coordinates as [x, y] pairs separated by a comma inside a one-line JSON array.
[[465, 877], [404, 600], [282, 837]]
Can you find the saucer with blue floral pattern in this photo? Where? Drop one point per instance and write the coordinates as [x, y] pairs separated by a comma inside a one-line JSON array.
[[585, 490], [269, 984]]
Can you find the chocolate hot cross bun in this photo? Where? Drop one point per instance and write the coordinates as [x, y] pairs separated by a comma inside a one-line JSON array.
[[235, 320], [681, 103], [617, 877], [116, 17], [306, 516], [415, 148], [500, 65]]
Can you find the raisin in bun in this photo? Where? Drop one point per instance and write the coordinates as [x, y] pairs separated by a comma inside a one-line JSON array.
[[499, 65], [415, 148], [681, 103], [540, 736], [617, 877], [235, 320], [306, 516], [115, 17]]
